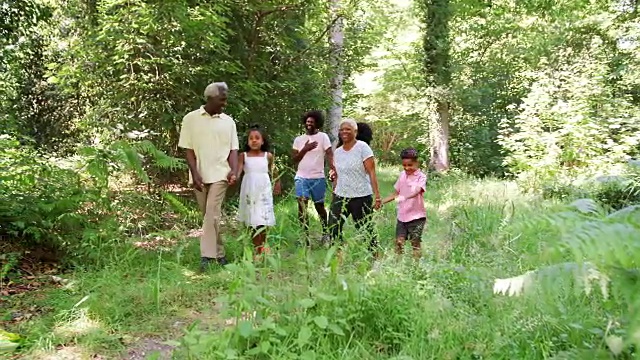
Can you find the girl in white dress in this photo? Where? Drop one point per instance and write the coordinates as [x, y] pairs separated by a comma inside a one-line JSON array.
[[256, 199]]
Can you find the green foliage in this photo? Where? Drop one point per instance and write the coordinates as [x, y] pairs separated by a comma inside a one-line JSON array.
[[393, 101], [31, 107], [36, 194], [436, 42], [604, 246], [66, 204], [618, 193], [301, 304], [84, 72], [337, 310], [612, 192], [140, 65], [101, 87], [579, 112]]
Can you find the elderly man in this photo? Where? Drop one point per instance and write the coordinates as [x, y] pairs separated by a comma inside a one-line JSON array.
[[211, 142]]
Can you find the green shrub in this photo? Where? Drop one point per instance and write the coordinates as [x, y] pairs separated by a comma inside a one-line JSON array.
[[37, 196], [617, 193], [614, 192], [68, 204]]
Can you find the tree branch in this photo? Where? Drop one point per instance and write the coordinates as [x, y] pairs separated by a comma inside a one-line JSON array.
[[313, 42], [254, 37]]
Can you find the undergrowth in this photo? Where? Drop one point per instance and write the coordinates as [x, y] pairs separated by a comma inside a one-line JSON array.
[[301, 304]]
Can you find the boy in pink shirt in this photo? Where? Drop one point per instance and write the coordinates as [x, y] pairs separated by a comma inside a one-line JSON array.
[[409, 195]]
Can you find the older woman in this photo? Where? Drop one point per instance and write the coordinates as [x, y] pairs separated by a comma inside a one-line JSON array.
[[356, 185]]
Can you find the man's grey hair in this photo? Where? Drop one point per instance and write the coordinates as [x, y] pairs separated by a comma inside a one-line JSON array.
[[215, 89]]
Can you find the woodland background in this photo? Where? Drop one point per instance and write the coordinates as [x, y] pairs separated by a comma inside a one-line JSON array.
[[541, 94]]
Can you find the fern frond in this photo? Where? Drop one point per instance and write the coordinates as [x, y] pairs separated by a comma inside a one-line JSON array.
[[629, 213], [588, 206], [585, 274], [131, 159], [161, 159], [605, 243], [177, 205]]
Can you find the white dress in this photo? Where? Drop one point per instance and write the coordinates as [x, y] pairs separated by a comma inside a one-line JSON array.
[[256, 199]]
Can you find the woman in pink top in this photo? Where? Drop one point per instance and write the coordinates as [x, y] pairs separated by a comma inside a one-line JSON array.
[[409, 196]]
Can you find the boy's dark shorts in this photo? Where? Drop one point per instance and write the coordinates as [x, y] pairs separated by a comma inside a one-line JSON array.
[[411, 230]]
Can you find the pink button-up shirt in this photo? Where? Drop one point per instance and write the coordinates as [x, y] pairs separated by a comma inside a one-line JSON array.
[[411, 209]]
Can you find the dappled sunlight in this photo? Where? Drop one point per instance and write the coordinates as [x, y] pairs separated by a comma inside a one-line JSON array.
[[71, 352], [387, 173], [158, 242], [98, 149], [194, 233], [389, 263], [244, 316], [192, 275], [78, 323], [442, 207], [489, 192], [151, 348]]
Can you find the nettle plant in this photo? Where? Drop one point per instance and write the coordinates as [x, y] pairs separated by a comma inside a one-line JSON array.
[[606, 248]]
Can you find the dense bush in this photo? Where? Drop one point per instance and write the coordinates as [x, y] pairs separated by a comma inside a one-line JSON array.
[[38, 196], [70, 205], [614, 192]]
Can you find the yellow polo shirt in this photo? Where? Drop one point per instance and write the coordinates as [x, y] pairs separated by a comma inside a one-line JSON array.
[[211, 138]]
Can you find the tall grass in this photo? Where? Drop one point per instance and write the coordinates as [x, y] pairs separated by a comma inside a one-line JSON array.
[[302, 304]]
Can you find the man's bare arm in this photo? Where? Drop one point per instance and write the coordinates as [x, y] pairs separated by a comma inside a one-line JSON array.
[[233, 161], [298, 155], [193, 167], [192, 162], [329, 156]]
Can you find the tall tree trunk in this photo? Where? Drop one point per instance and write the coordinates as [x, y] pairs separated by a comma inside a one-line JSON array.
[[440, 140], [437, 65], [336, 42]]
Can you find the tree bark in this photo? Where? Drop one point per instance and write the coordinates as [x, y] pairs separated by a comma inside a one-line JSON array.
[[436, 15], [336, 43], [440, 141]]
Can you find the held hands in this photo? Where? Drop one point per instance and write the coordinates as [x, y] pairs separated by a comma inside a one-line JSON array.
[[388, 199], [231, 177], [277, 188], [378, 203], [332, 175]]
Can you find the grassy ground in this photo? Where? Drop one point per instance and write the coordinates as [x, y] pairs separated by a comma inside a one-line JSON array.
[[148, 300]]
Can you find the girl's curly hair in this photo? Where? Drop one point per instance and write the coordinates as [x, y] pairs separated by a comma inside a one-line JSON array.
[[266, 146]]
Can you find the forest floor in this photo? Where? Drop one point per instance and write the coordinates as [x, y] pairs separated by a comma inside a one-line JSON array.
[[148, 300]]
